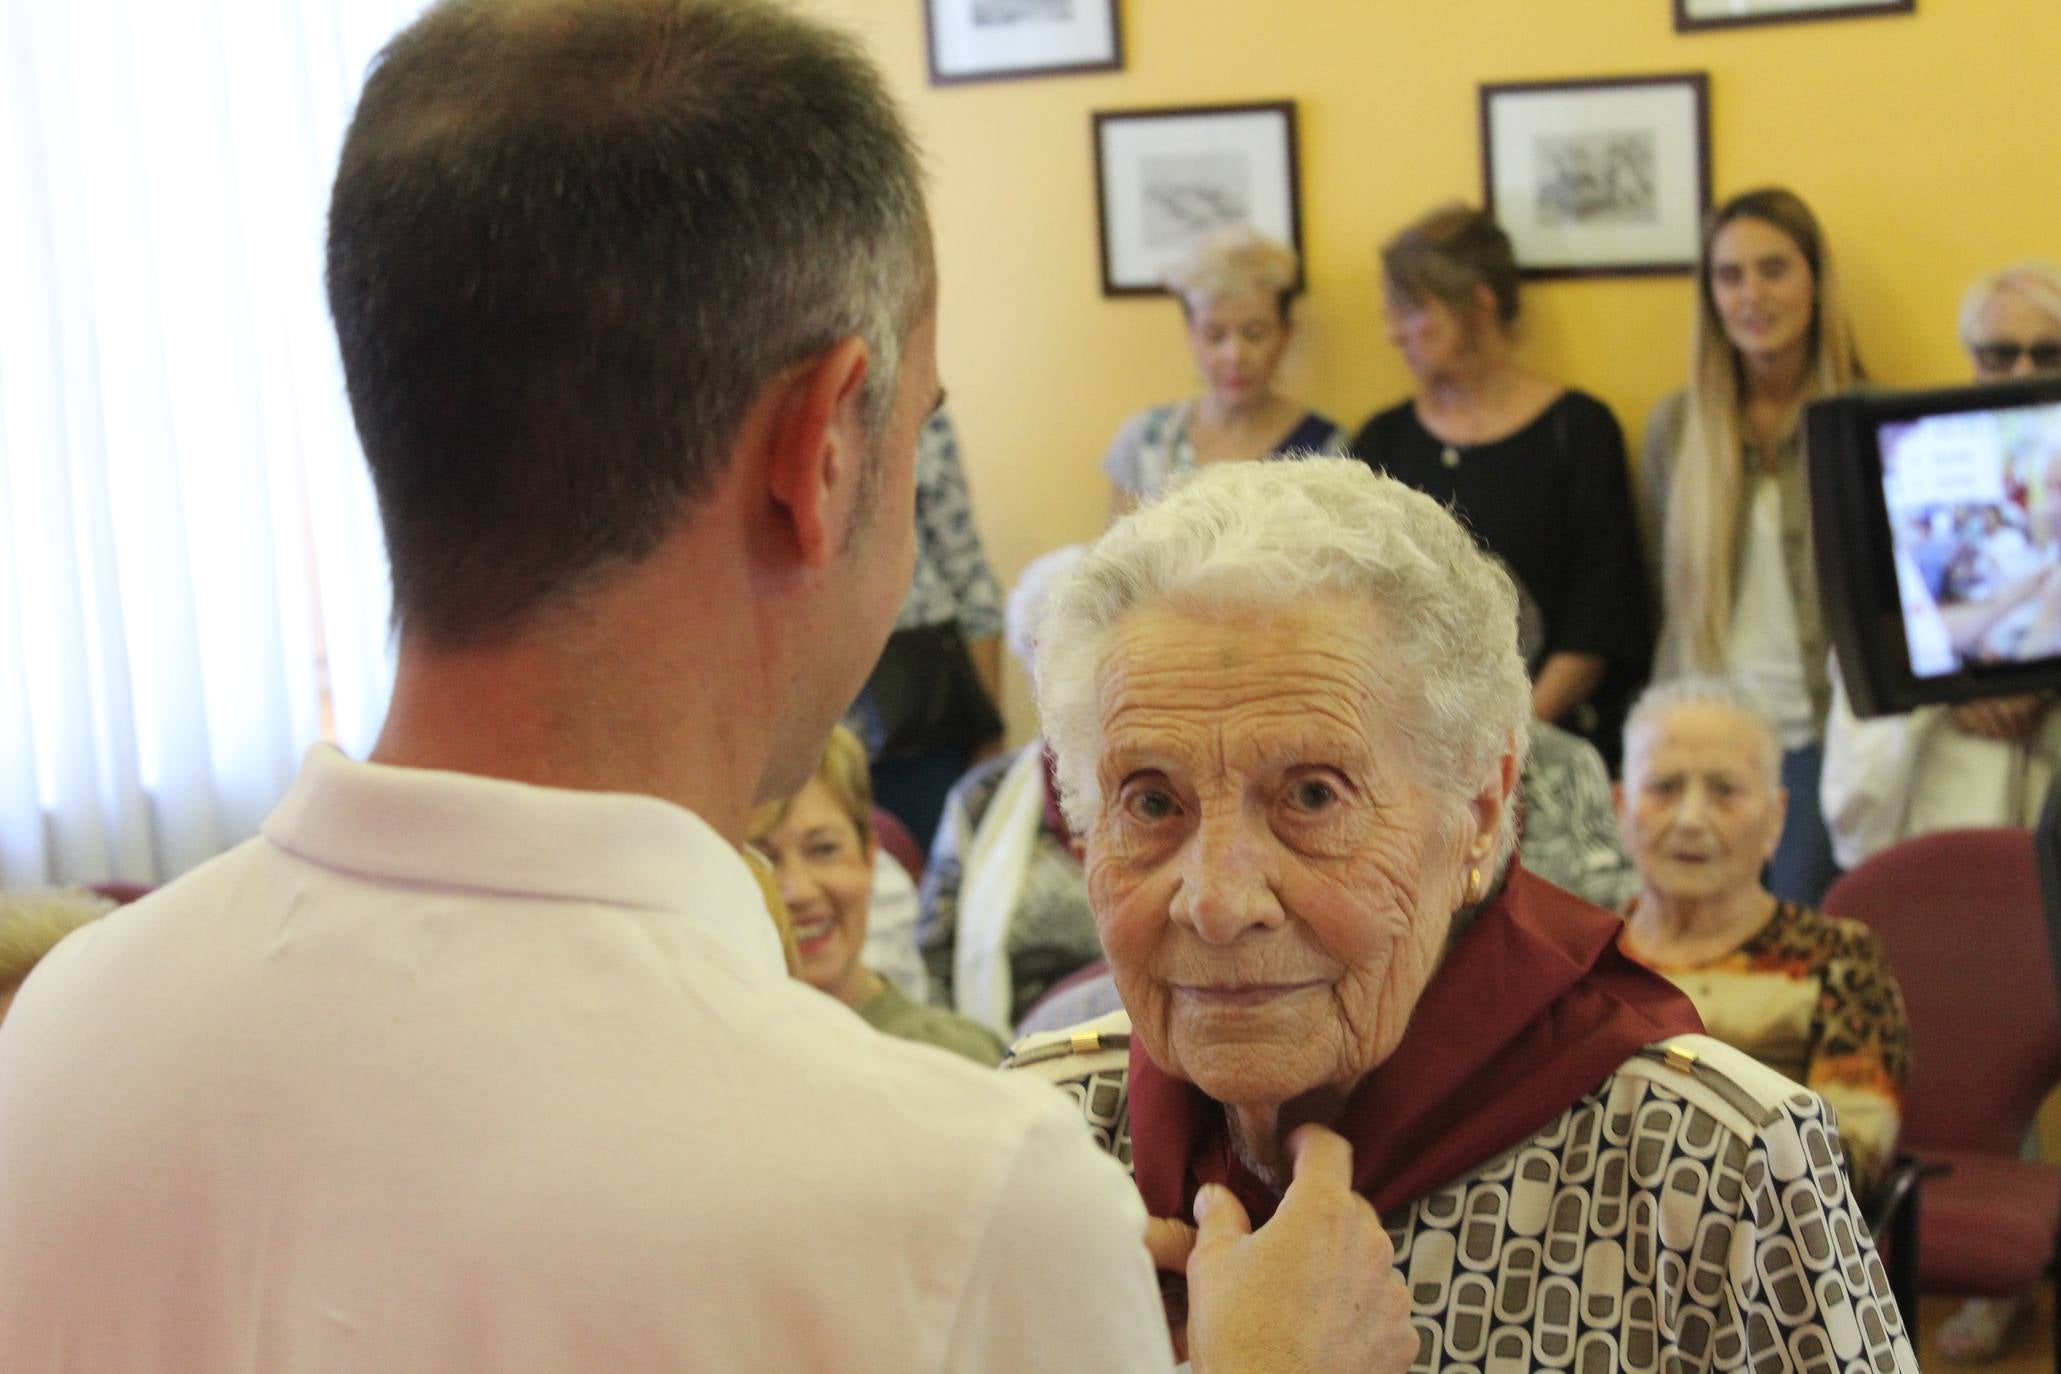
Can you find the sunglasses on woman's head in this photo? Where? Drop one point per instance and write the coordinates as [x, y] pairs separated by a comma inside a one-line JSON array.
[[2002, 357]]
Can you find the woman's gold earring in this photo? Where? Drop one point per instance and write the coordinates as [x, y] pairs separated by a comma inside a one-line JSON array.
[[1473, 886]]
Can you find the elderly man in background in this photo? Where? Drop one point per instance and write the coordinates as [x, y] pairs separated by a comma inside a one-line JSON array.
[[485, 1055]]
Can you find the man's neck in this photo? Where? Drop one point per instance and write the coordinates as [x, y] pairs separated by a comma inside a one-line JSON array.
[[615, 695]]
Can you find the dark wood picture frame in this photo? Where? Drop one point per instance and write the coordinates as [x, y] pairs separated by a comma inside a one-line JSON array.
[[1698, 85], [1873, 9], [938, 77], [1101, 121]]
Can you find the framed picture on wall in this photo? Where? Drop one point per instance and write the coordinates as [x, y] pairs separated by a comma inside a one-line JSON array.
[[994, 40], [1601, 177], [1165, 177], [1691, 15]]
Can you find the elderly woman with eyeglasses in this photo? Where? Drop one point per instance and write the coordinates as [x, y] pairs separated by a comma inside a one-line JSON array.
[[1982, 762], [1987, 762], [1288, 709]]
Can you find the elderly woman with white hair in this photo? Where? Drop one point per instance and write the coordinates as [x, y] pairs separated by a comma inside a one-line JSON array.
[[1809, 995], [1235, 288], [1288, 711]]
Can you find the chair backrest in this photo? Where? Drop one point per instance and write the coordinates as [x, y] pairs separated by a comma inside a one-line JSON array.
[[895, 838], [1960, 919]]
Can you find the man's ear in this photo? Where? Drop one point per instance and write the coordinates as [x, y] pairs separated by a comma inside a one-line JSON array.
[[816, 446]]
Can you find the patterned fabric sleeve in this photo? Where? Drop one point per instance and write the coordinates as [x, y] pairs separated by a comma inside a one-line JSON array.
[[1568, 830], [1147, 450], [953, 581], [1810, 1286], [1860, 1055], [1646, 1232]]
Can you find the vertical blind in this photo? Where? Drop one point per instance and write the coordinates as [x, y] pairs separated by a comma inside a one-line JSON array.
[[192, 588]]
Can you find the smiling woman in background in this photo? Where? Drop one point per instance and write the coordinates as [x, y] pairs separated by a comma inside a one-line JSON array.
[[820, 845], [1725, 498], [1235, 289]]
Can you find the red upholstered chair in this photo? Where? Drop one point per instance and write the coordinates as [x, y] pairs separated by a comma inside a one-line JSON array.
[[1961, 921], [895, 838]]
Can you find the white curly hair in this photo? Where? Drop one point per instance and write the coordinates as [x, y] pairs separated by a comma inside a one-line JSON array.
[[1257, 536]]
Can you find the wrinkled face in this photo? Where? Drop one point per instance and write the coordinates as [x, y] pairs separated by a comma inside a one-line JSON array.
[[1237, 340], [1700, 812], [1268, 870], [826, 878], [2014, 338], [1763, 288], [1431, 335]]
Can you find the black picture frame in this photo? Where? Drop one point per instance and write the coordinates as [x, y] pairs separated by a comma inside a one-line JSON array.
[[1815, 11], [1679, 215], [1263, 132], [942, 30]]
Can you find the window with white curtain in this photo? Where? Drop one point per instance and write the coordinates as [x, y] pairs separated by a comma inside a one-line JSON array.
[[192, 587]]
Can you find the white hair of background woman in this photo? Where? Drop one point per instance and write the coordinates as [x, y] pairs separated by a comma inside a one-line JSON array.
[[1264, 536], [1027, 601], [2033, 280], [1662, 699]]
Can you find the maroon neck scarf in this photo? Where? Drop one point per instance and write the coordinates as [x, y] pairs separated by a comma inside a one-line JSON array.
[[1533, 1008]]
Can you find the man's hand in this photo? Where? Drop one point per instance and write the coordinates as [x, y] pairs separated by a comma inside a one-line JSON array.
[[1313, 1289]]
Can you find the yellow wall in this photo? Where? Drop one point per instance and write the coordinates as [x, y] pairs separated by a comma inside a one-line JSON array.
[[1927, 143]]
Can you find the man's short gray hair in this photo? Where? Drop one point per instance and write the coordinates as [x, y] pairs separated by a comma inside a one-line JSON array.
[[1275, 535], [570, 241], [1662, 699]]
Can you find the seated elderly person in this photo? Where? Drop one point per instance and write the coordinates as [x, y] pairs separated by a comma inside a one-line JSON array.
[[820, 846], [1288, 713], [1005, 904], [1808, 995], [32, 921]]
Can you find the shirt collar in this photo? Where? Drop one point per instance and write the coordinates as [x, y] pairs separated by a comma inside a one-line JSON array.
[[461, 831]]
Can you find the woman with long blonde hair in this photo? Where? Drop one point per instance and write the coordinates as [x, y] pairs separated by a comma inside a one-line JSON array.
[[1725, 495]]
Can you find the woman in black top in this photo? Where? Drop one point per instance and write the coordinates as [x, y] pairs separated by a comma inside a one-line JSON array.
[[1535, 469]]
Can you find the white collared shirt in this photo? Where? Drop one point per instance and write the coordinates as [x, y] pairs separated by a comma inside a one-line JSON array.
[[447, 1073]]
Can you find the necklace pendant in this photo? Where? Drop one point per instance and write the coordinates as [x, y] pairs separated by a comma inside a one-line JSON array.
[[1451, 456]]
